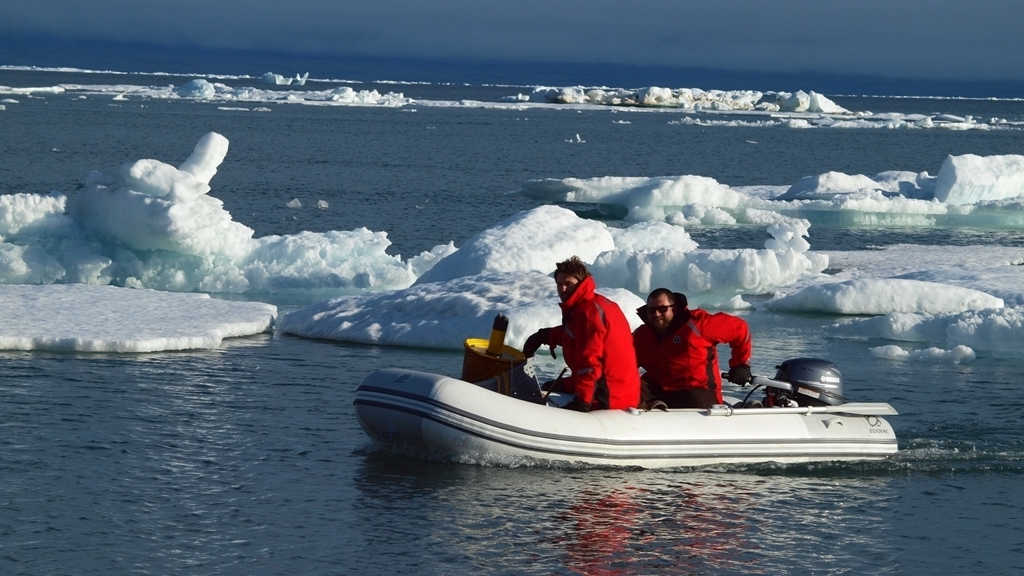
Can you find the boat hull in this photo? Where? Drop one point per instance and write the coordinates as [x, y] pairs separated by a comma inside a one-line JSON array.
[[443, 417]]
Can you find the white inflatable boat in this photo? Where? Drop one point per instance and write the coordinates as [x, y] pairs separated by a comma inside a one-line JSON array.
[[801, 418]]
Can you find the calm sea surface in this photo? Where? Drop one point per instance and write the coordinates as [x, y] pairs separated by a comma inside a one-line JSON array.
[[248, 459]]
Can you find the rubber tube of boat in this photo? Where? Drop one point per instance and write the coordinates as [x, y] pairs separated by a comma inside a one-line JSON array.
[[497, 340]]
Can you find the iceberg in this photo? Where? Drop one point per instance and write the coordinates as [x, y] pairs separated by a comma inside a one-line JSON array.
[[533, 240], [996, 331], [279, 80], [957, 355], [692, 197], [886, 295], [716, 276], [156, 206], [150, 224], [970, 179], [198, 88], [830, 185], [812, 101], [441, 314]]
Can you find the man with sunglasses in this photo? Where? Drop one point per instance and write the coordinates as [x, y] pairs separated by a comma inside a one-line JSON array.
[[677, 348]]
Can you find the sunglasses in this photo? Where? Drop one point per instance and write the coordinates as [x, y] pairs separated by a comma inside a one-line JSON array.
[[645, 310]]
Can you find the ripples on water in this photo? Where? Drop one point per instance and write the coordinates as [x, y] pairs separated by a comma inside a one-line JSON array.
[[637, 522], [249, 459]]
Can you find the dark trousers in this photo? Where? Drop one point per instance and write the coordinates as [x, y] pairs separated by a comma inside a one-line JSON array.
[[685, 398]]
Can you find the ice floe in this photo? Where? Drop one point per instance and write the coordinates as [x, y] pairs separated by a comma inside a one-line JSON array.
[[82, 318]]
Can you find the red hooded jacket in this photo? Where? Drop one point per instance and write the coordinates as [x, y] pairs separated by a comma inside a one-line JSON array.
[[598, 348], [686, 357]]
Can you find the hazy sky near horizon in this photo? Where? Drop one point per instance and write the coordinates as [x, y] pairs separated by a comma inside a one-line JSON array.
[[950, 39]]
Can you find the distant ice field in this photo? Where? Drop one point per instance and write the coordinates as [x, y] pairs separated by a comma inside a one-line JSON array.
[[800, 107]]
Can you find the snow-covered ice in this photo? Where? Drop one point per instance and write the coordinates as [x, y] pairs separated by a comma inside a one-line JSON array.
[[702, 107], [883, 296], [151, 224], [156, 227], [85, 318]]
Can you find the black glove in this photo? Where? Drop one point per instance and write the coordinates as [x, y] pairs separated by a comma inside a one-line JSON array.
[[740, 374], [578, 405], [535, 341]]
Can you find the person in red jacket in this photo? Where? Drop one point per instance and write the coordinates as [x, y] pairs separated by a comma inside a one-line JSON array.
[[596, 343], [677, 348]]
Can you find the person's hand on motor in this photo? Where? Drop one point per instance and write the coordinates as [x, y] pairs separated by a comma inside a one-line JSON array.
[[535, 341], [739, 374]]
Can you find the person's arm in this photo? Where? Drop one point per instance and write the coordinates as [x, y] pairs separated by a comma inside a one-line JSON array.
[[589, 368], [733, 331]]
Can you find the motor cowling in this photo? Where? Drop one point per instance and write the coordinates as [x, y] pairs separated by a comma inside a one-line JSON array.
[[816, 382]]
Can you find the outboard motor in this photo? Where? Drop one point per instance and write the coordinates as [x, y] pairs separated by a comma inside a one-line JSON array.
[[815, 382]]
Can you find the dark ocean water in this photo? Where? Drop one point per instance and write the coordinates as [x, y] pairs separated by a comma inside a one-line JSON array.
[[248, 459]]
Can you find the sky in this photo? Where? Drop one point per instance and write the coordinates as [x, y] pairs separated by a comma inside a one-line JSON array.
[[942, 39]]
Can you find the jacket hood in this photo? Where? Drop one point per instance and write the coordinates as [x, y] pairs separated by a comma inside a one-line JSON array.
[[584, 291]]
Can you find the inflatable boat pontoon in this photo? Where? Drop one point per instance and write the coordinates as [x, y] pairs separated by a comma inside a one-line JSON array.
[[805, 419]]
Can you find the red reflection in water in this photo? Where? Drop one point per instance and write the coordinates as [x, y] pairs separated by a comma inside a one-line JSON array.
[[636, 531]]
